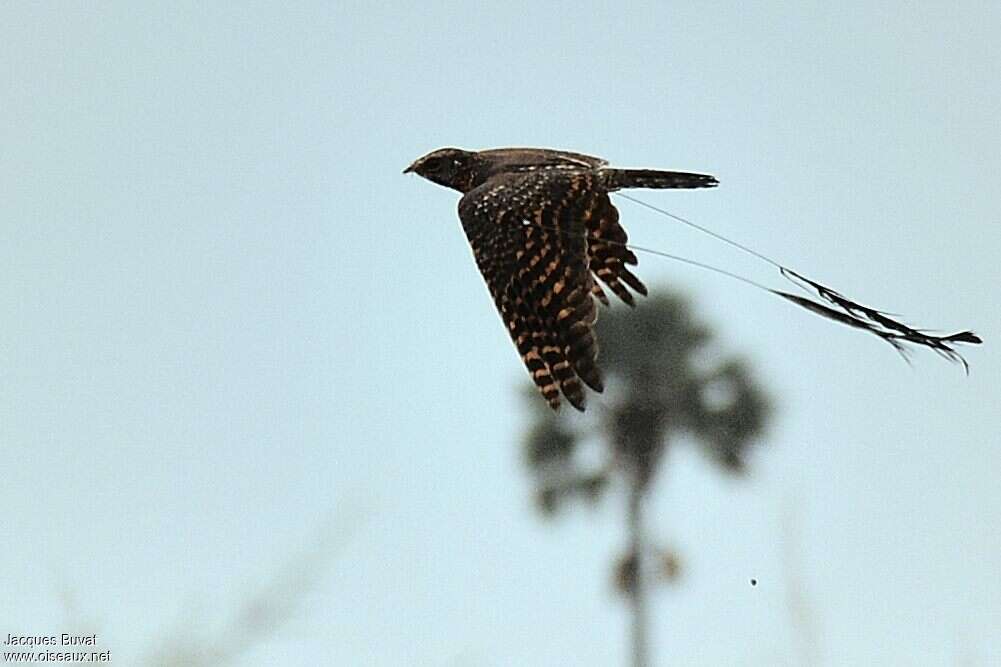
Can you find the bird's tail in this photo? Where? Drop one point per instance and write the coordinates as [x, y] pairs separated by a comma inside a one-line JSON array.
[[618, 179]]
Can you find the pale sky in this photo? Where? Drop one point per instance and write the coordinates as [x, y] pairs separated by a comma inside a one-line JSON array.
[[244, 361]]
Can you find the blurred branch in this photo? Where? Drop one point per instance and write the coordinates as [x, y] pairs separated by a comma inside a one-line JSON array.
[[264, 612], [798, 603]]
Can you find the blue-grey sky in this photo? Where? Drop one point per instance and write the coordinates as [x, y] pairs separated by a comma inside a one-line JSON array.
[[232, 329]]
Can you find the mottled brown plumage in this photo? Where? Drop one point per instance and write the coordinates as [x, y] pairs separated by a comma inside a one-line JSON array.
[[542, 227]]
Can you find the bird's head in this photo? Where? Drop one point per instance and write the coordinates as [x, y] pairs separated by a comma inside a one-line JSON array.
[[452, 167]]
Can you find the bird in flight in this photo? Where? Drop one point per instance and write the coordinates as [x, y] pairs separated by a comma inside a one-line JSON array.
[[546, 236]]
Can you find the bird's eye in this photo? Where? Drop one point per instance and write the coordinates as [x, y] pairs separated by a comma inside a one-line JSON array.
[[432, 164]]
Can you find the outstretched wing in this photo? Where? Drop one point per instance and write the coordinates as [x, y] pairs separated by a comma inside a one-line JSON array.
[[608, 256], [528, 232]]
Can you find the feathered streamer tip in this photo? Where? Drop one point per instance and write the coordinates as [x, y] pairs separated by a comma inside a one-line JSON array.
[[844, 310], [875, 321]]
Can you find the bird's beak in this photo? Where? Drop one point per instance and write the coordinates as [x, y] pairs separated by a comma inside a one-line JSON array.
[[410, 168]]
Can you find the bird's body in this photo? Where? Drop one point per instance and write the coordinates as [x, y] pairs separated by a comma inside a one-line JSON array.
[[542, 228]]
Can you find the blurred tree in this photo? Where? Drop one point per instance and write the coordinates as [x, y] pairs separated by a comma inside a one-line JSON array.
[[662, 385]]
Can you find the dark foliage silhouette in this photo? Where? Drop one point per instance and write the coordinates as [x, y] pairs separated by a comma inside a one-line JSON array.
[[665, 385]]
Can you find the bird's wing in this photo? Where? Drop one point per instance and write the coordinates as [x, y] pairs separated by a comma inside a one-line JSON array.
[[513, 158], [608, 255], [528, 233]]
